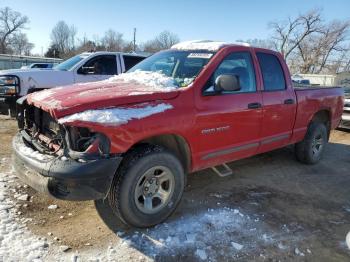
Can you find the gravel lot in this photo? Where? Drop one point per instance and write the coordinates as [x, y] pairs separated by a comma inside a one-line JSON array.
[[271, 209]]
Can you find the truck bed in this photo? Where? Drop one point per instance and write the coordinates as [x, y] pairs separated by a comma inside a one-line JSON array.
[[314, 99], [312, 87]]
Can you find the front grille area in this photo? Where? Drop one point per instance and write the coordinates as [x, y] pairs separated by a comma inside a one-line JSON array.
[[40, 129], [42, 132]]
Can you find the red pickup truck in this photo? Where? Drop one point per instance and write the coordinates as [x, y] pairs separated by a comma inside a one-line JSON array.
[[132, 139]]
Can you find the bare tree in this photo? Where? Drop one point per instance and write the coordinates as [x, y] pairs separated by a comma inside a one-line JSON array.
[[10, 23], [129, 47], [20, 44], [311, 45], [287, 35], [63, 37], [326, 50], [113, 41], [163, 41]]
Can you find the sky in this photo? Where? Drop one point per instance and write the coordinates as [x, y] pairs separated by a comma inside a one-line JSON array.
[[222, 20]]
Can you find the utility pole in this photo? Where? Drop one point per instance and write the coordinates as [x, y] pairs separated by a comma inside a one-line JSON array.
[[135, 39]]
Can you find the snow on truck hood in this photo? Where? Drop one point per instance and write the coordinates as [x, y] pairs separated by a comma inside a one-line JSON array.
[[86, 100], [116, 116]]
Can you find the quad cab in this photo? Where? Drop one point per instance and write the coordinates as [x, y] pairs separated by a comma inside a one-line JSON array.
[[133, 139]]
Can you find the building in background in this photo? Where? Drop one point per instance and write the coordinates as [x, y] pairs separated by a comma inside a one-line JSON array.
[[17, 61], [320, 80]]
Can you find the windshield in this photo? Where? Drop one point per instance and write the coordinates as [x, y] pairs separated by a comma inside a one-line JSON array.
[[347, 90], [182, 66], [69, 63]]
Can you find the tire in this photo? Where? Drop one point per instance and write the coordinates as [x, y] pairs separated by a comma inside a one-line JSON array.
[[311, 148], [127, 196]]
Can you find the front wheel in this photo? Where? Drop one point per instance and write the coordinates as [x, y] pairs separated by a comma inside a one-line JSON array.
[[311, 148], [148, 186]]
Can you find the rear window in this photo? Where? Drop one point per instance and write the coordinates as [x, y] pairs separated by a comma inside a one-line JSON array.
[[272, 72], [130, 61], [40, 66]]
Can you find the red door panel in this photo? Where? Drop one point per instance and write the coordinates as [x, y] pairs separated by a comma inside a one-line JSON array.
[[227, 129]]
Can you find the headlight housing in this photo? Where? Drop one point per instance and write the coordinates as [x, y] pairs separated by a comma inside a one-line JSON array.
[[84, 144], [9, 85]]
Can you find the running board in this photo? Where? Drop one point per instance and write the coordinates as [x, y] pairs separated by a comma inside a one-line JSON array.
[[222, 170]]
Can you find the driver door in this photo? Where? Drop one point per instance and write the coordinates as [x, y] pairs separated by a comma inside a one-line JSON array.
[[229, 122], [98, 68]]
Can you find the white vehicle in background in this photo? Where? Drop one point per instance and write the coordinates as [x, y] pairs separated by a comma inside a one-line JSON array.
[[299, 80], [86, 67]]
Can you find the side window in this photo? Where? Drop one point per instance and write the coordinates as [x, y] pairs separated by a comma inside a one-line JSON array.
[[100, 65], [239, 64], [272, 72], [130, 61]]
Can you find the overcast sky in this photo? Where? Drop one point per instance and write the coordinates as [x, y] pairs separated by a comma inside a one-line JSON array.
[[217, 20]]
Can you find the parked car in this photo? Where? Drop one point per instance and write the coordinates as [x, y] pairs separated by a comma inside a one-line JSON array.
[[345, 119], [133, 139], [86, 67], [39, 65], [299, 80]]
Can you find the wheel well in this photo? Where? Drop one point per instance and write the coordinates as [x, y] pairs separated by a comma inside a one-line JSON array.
[[174, 143], [323, 116]]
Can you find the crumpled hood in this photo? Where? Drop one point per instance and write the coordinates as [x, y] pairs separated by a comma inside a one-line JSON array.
[[67, 100]]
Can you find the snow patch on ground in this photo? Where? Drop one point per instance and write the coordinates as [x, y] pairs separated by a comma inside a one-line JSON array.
[[17, 243], [155, 81], [116, 116], [210, 234]]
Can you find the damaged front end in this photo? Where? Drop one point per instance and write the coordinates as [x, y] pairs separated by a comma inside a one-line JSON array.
[[67, 162], [40, 130]]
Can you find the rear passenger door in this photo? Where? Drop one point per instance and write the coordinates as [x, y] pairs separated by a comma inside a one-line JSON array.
[[279, 103]]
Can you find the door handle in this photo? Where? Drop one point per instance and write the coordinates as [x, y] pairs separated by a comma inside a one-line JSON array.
[[289, 101], [254, 105]]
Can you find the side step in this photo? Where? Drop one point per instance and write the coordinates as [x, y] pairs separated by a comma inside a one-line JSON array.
[[222, 170]]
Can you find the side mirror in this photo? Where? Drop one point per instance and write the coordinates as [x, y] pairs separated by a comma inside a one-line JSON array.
[[227, 82], [86, 70]]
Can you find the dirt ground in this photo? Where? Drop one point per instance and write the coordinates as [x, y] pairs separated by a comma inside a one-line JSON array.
[[304, 208]]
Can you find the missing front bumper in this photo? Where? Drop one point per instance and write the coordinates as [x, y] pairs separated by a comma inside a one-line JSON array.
[[69, 179]]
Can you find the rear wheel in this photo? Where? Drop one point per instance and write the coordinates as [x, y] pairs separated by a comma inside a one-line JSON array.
[[311, 148], [147, 187]]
